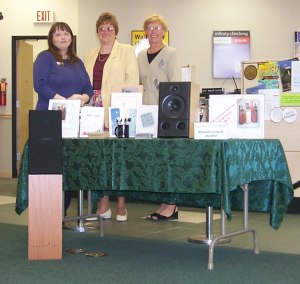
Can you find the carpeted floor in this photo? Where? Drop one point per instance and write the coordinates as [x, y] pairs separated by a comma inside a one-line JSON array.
[[133, 260]]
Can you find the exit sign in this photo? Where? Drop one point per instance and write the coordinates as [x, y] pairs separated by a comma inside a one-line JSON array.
[[44, 17]]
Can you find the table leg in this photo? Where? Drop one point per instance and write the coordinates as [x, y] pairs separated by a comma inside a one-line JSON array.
[[80, 223], [81, 216], [245, 230], [89, 202], [207, 239]]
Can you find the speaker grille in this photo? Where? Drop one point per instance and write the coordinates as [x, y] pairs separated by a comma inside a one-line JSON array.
[[45, 142]]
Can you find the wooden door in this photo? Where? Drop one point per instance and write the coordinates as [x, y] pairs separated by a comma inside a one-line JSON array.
[[24, 95]]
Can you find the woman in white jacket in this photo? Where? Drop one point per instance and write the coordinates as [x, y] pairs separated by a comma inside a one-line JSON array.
[[158, 63], [111, 65]]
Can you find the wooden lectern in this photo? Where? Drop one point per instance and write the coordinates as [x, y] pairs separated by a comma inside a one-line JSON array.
[[45, 217], [45, 185]]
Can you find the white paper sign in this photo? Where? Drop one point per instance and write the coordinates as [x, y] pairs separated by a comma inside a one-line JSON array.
[[147, 120], [271, 101], [289, 114], [210, 130], [70, 116], [126, 100], [295, 79], [91, 120], [243, 114]]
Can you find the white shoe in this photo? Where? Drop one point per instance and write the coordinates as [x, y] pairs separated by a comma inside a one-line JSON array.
[[121, 218], [105, 215], [91, 219]]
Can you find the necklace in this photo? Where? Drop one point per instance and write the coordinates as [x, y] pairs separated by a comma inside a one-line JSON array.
[[103, 59]]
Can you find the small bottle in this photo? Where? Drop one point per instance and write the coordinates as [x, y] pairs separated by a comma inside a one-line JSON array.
[[254, 115], [248, 113], [242, 115]]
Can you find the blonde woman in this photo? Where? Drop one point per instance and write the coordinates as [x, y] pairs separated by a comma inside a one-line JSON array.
[[158, 63]]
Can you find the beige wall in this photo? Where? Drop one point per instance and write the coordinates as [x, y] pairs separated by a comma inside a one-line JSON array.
[[191, 23]]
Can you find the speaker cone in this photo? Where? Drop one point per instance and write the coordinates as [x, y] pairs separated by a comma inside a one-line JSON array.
[[173, 106], [180, 126]]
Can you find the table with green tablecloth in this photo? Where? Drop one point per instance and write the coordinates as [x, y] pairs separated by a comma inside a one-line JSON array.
[[185, 171]]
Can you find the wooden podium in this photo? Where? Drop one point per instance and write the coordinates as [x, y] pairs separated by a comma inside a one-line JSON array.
[[45, 217], [45, 185]]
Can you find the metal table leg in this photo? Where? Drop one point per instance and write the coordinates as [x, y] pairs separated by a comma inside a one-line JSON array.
[[80, 225], [207, 239], [245, 230], [81, 216]]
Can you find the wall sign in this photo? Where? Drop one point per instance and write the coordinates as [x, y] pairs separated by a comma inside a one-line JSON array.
[[230, 48], [139, 40], [44, 17]]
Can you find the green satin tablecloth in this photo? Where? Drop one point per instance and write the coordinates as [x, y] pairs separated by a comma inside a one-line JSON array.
[[185, 171]]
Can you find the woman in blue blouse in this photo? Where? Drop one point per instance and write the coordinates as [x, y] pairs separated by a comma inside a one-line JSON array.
[[59, 74]]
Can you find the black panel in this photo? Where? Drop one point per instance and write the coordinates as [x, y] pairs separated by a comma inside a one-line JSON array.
[[174, 109], [45, 142]]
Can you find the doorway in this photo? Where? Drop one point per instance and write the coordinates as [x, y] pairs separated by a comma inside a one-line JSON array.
[[22, 93]]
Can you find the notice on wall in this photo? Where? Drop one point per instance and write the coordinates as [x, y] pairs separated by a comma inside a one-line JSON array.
[[230, 48]]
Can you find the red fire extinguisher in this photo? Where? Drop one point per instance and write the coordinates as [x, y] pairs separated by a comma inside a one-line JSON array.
[[3, 92]]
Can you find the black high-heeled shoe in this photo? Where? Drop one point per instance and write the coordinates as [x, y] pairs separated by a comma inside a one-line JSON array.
[[149, 217], [159, 217]]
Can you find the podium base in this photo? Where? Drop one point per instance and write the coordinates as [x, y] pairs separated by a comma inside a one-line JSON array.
[[44, 217]]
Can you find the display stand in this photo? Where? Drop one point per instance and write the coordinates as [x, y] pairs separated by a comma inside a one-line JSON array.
[[44, 217]]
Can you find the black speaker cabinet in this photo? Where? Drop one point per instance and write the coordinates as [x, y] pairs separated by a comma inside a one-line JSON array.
[[178, 109], [45, 142]]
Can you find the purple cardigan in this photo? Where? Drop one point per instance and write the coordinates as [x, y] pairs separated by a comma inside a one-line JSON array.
[[51, 78]]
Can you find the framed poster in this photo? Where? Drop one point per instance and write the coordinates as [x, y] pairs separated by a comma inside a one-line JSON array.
[[230, 48]]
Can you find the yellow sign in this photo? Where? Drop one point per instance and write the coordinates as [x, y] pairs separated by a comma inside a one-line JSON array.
[[138, 35]]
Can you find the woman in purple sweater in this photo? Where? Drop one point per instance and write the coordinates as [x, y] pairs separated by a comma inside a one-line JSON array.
[[59, 74]]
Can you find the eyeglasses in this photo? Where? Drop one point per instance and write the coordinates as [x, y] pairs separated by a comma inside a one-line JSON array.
[[152, 28], [107, 29]]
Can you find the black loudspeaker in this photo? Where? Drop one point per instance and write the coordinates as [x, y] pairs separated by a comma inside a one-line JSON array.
[[45, 142], [178, 109]]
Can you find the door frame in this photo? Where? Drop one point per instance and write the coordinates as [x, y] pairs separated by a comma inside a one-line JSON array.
[[14, 96]]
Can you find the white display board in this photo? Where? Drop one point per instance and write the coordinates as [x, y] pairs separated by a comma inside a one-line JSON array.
[[243, 114], [70, 116], [91, 120]]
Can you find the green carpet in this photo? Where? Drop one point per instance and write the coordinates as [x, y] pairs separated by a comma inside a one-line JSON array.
[[132, 260]]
